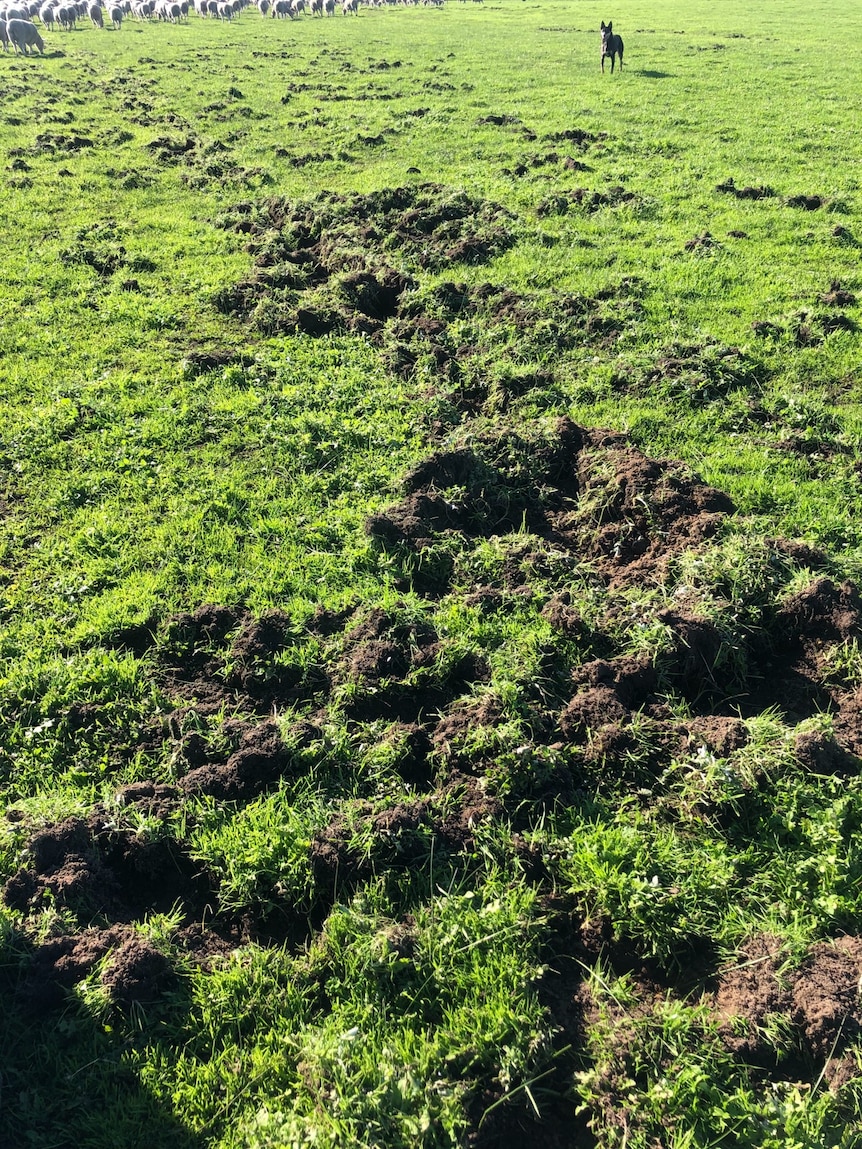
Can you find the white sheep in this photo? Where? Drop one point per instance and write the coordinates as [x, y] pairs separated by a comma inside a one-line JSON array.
[[116, 14], [95, 14], [4, 36], [46, 15], [24, 36]]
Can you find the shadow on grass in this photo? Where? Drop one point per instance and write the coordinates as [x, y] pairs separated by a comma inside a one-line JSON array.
[[650, 74], [66, 1076]]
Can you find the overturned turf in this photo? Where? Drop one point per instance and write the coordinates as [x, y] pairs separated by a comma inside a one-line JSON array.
[[359, 264]]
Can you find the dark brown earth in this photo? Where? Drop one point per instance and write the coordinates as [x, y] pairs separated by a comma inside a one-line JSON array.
[[586, 200], [819, 999], [808, 202], [589, 491], [702, 242], [137, 973], [747, 192], [748, 993], [94, 870]]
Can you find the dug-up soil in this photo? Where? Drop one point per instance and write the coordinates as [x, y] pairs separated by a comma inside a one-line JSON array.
[[599, 506], [567, 506], [361, 263]]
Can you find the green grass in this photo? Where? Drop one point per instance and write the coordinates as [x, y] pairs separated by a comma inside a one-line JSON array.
[[399, 919]]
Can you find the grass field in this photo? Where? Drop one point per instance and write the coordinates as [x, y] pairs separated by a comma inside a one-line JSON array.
[[430, 639]]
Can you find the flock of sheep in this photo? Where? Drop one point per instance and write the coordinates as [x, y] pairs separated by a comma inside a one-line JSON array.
[[17, 26]]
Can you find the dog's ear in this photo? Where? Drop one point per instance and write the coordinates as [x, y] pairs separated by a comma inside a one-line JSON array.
[[610, 25], [603, 26]]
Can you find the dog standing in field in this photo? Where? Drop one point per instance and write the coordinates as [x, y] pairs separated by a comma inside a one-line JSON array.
[[611, 45]]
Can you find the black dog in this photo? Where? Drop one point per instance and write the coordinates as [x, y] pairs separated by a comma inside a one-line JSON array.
[[611, 46]]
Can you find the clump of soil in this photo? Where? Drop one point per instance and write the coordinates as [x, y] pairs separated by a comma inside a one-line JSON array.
[[748, 192], [705, 371], [561, 203], [171, 149], [589, 491], [258, 763], [748, 993], [498, 119], [200, 361], [579, 137], [99, 246], [403, 670], [57, 142], [824, 612], [820, 999], [96, 870], [705, 241], [826, 1004], [838, 296], [808, 202], [195, 662], [362, 841], [137, 973], [60, 963]]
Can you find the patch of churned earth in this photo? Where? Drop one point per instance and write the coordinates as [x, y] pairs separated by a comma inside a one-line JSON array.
[[570, 506]]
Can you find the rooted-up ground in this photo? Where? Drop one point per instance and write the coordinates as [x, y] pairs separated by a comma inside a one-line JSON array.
[[429, 550]]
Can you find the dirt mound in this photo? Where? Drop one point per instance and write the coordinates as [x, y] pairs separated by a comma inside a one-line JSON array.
[[57, 142], [96, 870], [820, 998], [196, 663], [748, 192], [580, 137], [355, 263], [590, 491], [837, 296], [748, 993], [171, 149], [704, 241], [362, 841], [561, 203], [60, 963], [99, 246], [200, 361], [326, 265], [137, 973], [404, 669], [258, 763], [704, 372], [821, 613], [808, 202]]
